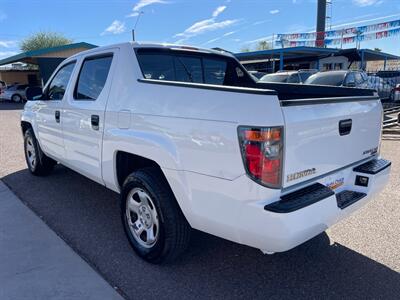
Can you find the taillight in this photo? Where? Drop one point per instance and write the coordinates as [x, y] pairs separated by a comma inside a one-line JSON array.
[[262, 154]]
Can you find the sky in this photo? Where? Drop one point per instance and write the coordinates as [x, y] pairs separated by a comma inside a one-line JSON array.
[[229, 24]]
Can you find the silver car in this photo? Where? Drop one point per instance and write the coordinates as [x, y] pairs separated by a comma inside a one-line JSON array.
[[345, 78], [298, 76], [15, 93]]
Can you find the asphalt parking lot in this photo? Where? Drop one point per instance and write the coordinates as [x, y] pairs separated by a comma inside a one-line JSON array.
[[358, 258]]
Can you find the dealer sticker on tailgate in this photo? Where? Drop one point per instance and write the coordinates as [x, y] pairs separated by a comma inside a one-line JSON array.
[[334, 182]]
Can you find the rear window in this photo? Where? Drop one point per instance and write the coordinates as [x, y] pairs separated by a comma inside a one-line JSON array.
[[157, 66], [187, 67], [275, 78], [214, 71], [304, 75], [334, 79]]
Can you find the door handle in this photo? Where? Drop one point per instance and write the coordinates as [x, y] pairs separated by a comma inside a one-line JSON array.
[[57, 116], [95, 120]]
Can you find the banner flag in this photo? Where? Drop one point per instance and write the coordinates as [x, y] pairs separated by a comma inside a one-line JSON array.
[[360, 30], [361, 33]]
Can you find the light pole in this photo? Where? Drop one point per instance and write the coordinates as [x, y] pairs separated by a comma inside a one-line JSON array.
[[134, 27]]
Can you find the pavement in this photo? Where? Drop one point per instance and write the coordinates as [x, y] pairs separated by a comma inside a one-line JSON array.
[[36, 263], [356, 259]]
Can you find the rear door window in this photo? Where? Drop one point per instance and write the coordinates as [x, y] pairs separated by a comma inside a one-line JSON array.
[[92, 77]]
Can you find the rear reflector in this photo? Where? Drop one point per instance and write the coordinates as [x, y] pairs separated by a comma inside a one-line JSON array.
[[262, 154]]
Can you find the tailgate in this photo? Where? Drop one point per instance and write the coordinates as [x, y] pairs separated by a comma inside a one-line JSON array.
[[326, 135]]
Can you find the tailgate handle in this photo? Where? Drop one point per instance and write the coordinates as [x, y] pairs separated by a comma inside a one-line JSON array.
[[345, 126]]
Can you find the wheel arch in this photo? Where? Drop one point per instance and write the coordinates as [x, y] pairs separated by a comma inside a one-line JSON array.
[[127, 163], [25, 125]]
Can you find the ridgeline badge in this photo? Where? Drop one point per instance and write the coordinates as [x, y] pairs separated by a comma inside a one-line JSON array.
[[300, 174]]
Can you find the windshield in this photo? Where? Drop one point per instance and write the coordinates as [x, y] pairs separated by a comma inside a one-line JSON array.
[[275, 77], [328, 78]]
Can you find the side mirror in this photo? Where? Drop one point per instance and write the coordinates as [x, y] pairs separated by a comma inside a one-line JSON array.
[[351, 84], [33, 93]]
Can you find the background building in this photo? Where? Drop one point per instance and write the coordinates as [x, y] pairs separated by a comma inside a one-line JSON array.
[[322, 59], [35, 67]]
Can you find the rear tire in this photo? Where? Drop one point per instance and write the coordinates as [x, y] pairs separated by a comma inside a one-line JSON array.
[[153, 221], [38, 163]]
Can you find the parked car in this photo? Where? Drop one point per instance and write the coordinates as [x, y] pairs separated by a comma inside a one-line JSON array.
[[288, 76], [383, 86], [385, 82], [346, 78], [189, 141], [3, 86], [15, 93], [395, 93]]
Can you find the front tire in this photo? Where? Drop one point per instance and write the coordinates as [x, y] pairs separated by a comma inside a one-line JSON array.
[[154, 224], [16, 98], [38, 163]]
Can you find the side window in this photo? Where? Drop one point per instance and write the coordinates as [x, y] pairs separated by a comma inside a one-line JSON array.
[[214, 71], [294, 78], [359, 79], [188, 69], [364, 76], [58, 84], [350, 79], [157, 66], [92, 77]]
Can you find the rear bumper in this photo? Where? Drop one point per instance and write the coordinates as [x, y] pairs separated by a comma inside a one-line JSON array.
[[235, 209], [286, 227]]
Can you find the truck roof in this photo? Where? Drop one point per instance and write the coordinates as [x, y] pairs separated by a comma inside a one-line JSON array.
[[155, 45]]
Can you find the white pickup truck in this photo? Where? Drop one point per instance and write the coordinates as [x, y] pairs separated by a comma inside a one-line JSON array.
[[189, 140]]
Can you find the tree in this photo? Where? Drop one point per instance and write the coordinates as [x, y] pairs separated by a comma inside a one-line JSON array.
[[245, 49], [43, 39], [378, 49], [263, 45]]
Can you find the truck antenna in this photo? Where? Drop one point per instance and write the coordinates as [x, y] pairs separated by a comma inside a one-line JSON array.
[[134, 27]]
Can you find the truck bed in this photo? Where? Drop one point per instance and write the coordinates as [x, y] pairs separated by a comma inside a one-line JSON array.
[[290, 91]]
